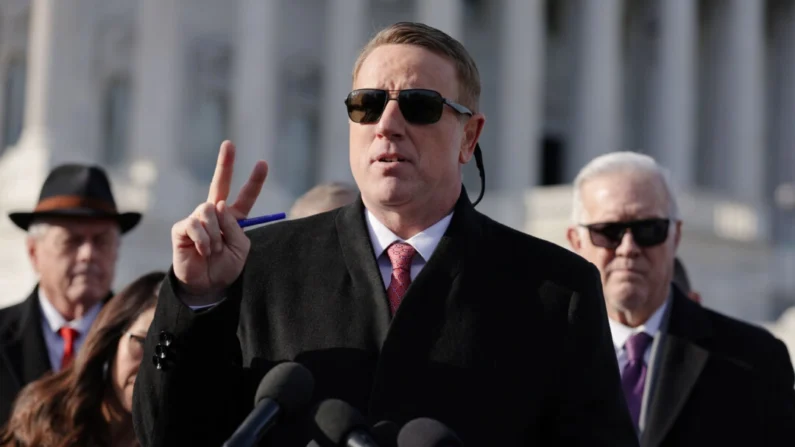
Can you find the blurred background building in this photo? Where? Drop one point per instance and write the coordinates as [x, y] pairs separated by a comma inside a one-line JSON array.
[[149, 89]]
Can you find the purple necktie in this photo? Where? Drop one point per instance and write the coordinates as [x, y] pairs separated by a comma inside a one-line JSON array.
[[634, 375]]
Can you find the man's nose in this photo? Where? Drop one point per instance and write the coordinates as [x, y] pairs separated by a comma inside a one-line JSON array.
[[628, 247], [392, 123], [86, 251]]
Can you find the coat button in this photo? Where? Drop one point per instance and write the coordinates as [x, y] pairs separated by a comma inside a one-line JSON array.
[[160, 351], [166, 338], [157, 361]]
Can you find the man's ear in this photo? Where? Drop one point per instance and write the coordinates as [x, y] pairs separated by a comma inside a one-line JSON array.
[[30, 243], [677, 233], [574, 238], [472, 130]]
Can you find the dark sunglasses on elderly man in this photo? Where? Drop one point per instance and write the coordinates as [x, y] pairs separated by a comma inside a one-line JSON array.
[[645, 233], [418, 106]]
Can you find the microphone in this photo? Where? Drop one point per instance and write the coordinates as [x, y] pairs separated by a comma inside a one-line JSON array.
[[426, 432], [385, 433], [284, 390], [338, 424]]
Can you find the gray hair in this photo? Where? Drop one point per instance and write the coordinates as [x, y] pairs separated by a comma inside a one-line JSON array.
[[621, 162], [39, 227], [323, 197]]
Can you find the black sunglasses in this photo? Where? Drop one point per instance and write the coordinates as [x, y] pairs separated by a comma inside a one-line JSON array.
[[418, 106], [645, 233]]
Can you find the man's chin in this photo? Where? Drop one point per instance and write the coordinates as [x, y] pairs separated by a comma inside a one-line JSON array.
[[87, 294], [628, 298], [394, 195]]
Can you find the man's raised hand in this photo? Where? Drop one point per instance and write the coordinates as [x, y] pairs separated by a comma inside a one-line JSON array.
[[209, 247]]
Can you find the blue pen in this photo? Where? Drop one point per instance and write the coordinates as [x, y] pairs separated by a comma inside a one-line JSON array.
[[260, 219]]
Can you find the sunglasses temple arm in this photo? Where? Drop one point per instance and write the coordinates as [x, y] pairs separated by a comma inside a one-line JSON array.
[[479, 164]]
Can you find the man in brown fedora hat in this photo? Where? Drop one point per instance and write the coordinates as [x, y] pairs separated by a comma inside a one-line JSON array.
[[73, 241]]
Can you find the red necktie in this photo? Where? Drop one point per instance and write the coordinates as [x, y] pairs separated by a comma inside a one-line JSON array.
[[400, 255], [69, 335]]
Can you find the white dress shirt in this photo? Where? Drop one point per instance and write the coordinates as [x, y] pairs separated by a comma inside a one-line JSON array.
[[621, 334], [424, 242], [52, 321]]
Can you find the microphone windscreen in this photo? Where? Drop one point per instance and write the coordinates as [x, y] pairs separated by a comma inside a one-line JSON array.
[[334, 420], [426, 432], [290, 384], [385, 433]]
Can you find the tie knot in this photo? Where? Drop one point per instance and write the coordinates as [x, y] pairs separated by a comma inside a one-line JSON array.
[[68, 334], [400, 255], [636, 346]]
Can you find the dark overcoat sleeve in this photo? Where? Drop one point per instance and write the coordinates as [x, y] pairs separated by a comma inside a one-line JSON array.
[[592, 410], [191, 388]]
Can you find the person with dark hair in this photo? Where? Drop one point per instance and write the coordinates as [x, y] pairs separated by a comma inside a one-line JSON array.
[[406, 303], [89, 403], [73, 238]]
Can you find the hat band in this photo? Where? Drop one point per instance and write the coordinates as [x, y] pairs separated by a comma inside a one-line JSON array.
[[65, 202]]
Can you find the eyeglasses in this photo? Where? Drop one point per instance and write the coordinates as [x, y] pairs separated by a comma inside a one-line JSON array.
[[418, 106], [136, 345], [645, 233]]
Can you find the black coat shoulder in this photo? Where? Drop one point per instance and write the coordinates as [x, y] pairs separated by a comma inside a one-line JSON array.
[[10, 320], [750, 345], [546, 260]]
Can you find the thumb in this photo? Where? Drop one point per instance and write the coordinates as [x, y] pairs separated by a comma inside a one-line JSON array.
[[234, 236]]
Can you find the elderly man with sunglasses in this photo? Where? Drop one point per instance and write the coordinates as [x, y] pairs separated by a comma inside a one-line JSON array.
[[691, 376], [407, 303]]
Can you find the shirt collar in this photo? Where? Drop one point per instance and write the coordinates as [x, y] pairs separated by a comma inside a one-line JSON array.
[[424, 242], [55, 321], [621, 332]]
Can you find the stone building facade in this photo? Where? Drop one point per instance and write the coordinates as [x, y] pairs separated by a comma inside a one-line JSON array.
[[149, 89]]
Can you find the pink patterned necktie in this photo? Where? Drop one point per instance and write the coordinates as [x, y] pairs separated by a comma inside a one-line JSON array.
[[400, 255]]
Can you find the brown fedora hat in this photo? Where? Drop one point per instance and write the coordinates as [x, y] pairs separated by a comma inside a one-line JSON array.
[[76, 191]]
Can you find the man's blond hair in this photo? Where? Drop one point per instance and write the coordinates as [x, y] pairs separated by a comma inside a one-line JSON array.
[[322, 198], [437, 41]]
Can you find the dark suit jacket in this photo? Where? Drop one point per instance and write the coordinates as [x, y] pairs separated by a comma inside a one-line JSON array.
[[23, 353], [719, 382], [502, 336]]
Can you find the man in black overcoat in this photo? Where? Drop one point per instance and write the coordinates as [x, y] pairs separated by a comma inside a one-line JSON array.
[[407, 303]]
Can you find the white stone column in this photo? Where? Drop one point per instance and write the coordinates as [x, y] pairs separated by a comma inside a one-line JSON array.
[[158, 113], [346, 33], [782, 96], [781, 177], [445, 15], [672, 109], [256, 98], [520, 104], [61, 113], [60, 123], [738, 120], [596, 111]]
